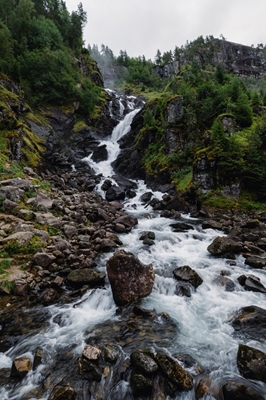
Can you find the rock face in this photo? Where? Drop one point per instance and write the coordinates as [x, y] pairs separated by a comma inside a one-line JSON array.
[[234, 57], [129, 278], [251, 363]]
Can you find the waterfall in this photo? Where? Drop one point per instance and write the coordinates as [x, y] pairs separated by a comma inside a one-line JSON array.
[[203, 330]]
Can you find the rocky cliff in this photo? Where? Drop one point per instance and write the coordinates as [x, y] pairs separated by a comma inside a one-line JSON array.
[[233, 57]]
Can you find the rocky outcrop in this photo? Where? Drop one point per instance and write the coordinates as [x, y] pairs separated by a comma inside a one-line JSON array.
[[129, 278], [234, 57]]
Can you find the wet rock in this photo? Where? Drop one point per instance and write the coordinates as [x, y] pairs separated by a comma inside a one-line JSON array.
[[173, 371], [62, 393], [115, 193], [91, 353], [181, 227], [100, 153], [146, 197], [256, 262], [4, 376], [188, 275], [189, 362], [127, 221], [183, 289], [111, 354], [236, 390], [251, 363], [86, 276], [223, 246], [143, 362], [211, 224], [20, 367], [148, 238], [227, 283], [204, 386], [251, 283], [130, 279], [140, 384], [250, 321], [38, 357]]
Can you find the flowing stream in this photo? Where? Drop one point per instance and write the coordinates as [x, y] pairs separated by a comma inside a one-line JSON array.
[[203, 319]]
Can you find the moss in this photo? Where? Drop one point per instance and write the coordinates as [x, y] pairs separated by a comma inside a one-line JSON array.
[[4, 265], [39, 118], [79, 125], [217, 200]]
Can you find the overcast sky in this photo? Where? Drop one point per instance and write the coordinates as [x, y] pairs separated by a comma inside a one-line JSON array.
[[141, 27]]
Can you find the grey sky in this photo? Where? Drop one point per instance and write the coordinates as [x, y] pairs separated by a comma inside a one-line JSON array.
[[141, 27]]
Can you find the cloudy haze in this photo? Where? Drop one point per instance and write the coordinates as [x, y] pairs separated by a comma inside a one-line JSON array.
[[141, 27]]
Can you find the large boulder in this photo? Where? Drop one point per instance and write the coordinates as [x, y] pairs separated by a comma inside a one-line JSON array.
[[251, 321], [130, 279], [223, 246], [251, 363]]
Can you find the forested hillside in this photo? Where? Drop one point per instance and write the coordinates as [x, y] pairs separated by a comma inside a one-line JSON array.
[[41, 48]]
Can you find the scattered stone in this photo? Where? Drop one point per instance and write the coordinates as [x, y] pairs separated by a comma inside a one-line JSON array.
[[20, 367], [188, 275], [256, 262], [43, 259], [177, 375], [91, 353], [223, 246], [236, 390], [86, 276], [251, 283], [62, 393], [227, 283], [143, 362]]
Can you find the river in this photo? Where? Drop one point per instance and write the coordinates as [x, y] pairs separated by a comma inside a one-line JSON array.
[[203, 319]]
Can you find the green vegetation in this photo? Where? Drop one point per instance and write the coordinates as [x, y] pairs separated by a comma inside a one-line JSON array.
[[41, 47], [13, 248], [4, 265]]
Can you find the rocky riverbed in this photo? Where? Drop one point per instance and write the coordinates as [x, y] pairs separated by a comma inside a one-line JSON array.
[[54, 238]]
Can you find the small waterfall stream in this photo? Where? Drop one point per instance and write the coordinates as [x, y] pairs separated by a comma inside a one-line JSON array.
[[204, 331]]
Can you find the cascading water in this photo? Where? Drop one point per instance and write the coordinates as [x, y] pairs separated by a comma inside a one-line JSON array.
[[202, 319]]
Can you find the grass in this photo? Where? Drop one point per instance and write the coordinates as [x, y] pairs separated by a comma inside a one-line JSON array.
[[4, 265], [13, 247]]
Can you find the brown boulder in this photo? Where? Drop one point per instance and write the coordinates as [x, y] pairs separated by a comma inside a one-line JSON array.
[[173, 371], [222, 246], [251, 363], [129, 278], [188, 275], [20, 367]]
